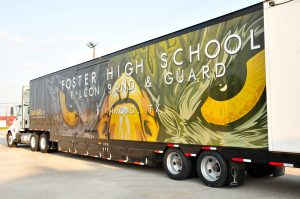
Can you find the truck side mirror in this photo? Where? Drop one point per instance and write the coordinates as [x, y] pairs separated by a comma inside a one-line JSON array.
[[11, 111]]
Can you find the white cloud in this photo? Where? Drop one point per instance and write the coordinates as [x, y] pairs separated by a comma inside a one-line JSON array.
[[71, 60], [76, 38], [15, 38], [68, 38], [12, 37]]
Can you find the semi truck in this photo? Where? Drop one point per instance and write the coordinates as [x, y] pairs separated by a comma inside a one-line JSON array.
[[219, 99]]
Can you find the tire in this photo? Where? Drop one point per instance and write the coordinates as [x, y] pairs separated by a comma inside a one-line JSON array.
[[10, 141], [34, 142], [277, 171], [258, 170], [212, 169], [176, 165], [44, 143]]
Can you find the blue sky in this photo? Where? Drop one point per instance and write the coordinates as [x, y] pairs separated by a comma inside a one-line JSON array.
[[39, 37]]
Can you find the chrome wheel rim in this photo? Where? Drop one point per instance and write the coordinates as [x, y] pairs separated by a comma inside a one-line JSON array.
[[174, 163], [43, 143], [210, 168], [33, 142]]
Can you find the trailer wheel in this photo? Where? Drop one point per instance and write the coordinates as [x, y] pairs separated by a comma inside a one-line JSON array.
[[10, 140], [258, 170], [44, 143], [277, 171], [34, 142], [176, 165], [212, 169]]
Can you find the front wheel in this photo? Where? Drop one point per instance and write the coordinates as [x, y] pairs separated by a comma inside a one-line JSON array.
[[212, 169], [10, 140], [176, 165]]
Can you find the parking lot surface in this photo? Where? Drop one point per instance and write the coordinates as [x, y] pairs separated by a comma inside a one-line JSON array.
[[26, 174]]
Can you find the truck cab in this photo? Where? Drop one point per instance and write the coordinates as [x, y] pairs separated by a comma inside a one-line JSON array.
[[21, 123]]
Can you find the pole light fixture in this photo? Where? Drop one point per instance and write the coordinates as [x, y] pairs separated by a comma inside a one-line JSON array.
[[93, 46]]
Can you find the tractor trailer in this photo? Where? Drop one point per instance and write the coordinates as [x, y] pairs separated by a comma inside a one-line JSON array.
[[219, 99]]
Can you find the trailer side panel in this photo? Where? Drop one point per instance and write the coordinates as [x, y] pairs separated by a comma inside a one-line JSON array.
[[204, 86]]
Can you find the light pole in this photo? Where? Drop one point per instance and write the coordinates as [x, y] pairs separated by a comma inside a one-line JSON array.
[[93, 46]]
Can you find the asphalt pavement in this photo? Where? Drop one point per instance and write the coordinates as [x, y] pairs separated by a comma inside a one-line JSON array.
[[26, 174]]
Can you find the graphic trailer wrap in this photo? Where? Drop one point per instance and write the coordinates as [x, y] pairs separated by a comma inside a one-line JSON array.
[[204, 87]]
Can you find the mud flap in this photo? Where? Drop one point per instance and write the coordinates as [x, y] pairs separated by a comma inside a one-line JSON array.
[[236, 173]]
